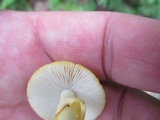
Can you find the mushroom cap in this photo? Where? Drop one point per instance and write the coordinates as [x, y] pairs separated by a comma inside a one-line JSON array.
[[46, 84]]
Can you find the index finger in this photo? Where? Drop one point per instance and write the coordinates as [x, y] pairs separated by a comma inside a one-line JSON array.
[[123, 47]]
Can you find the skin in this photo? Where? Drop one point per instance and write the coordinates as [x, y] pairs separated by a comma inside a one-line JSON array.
[[115, 46]]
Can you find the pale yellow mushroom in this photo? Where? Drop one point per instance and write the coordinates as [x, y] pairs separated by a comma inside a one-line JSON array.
[[65, 91]]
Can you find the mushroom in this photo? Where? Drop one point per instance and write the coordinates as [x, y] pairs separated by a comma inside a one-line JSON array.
[[64, 90]]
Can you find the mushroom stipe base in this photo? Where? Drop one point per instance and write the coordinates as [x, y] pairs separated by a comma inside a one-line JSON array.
[[64, 90], [70, 108]]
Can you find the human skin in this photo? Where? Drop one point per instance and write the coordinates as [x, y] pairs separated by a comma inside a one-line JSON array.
[[120, 47]]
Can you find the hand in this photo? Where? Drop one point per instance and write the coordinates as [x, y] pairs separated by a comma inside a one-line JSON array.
[[115, 46]]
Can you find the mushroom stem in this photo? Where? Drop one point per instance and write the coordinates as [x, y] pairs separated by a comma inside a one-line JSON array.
[[70, 108], [65, 94]]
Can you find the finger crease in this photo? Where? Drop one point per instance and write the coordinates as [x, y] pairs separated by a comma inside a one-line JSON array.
[[36, 25], [121, 104], [105, 44]]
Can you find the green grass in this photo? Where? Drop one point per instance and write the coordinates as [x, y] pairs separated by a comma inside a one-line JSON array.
[[148, 8]]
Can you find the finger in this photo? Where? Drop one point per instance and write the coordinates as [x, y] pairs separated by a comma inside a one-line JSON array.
[[76, 37], [132, 51], [129, 104], [123, 47]]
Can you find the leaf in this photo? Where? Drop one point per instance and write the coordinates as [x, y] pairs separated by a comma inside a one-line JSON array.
[[102, 3], [53, 4], [6, 3]]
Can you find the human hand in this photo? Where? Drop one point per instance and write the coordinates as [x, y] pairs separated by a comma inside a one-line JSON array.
[[115, 46]]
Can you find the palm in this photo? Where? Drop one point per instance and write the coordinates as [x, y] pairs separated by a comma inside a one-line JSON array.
[[20, 58], [32, 40]]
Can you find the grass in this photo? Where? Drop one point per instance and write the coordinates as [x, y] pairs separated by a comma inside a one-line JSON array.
[[148, 8]]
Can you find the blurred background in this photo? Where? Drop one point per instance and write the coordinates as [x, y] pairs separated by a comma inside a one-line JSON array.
[[148, 8]]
